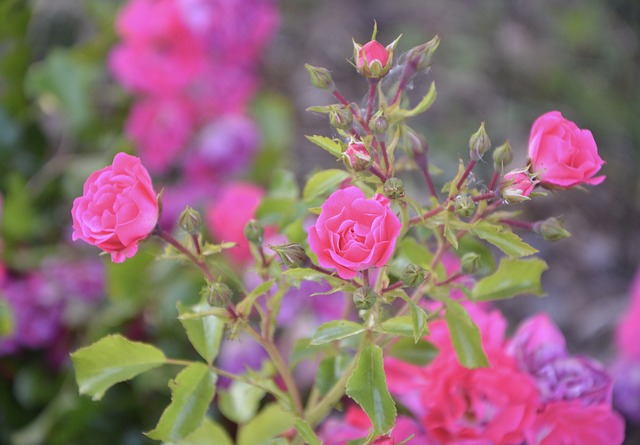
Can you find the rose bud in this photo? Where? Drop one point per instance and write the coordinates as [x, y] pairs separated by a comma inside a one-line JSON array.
[[551, 229], [373, 60], [340, 117], [394, 188], [320, 77], [502, 156], [479, 143], [190, 221], [292, 254], [118, 208], [516, 186], [357, 157]]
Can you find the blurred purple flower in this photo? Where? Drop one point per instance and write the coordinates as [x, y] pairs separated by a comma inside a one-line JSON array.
[[239, 354], [626, 388]]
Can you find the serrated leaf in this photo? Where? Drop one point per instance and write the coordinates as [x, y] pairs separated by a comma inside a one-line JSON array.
[[306, 432], [110, 360], [420, 353], [510, 243], [401, 326], [449, 230], [426, 101], [240, 402], [335, 330], [367, 386], [208, 433], [418, 317], [321, 182], [264, 427], [331, 145], [465, 336], [191, 394], [205, 333], [513, 277], [303, 349]]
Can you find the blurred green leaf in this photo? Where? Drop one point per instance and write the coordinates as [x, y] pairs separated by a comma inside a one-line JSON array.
[[6, 319], [507, 241], [335, 330], [322, 182], [205, 334], [240, 402], [283, 184], [465, 336], [367, 386], [111, 360], [191, 394], [513, 277], [402, 326], [468, 244], [306, 432], [329, 371], [419, 354], [207, 434], [263, 428], [18, 216], [128, 281]]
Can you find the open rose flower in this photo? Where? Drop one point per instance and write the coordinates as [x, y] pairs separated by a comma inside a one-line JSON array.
[[563, 155], [354, 233], [118, 208]]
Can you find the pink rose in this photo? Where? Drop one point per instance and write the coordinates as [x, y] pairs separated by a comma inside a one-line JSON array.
[[516, 186], [537, 342], [354, 233], [493, 405], [118, 208], [563, 155], [373, 59], [572, 423]]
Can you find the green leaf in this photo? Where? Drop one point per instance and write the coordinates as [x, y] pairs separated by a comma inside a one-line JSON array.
[[513, 277], [367, 386], [303, 349], [191, 394], [449, 230], [469, 244], [263, 428], [426, 101], [465, 336], [329, 371], [306, 432], [6, 320], [205, 334], [420, 353], [510, 243], [208, 433], [402, 326], [331, 145], [240, 402], [111, 360], [335, 330], [418, 317], [244, 307], [322, 182], [18, 221]]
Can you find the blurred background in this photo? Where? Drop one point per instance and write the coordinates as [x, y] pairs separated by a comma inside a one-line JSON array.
[[66, 109]]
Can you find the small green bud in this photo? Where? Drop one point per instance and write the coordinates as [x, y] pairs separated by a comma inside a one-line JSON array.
[[470, 262], [364, 298], [420, 56], [190, 221], [551, 229], [379, 123], [502, 156], [479, 143], [413, 275], [254, 232], [320, 78], [464, 206], [340, 117], [292, 255], [394, 188], [218, 294]]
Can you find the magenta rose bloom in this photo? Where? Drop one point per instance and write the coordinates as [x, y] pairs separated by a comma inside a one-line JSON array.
[[354, 233], [563, 155], [572, 423], [118, 208]]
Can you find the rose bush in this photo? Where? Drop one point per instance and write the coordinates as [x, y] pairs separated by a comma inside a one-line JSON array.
[[118, 208], [563, 155], [354, 233]]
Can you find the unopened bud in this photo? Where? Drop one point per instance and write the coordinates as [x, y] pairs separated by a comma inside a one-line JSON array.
[[218, 294], [190, 221], [364, 298], [516, 186], [413, 275], [378, 123], [479, 143], [357, 157], [320, 78], [292, 255], [551, 229], [254, 232], [470, 262], [394, 188], [502, 156], [420, 56], [464, 206], [340, 117]]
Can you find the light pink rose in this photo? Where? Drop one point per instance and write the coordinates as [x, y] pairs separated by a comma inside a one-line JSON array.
[[118, 208], [354, 233], [516, 186], [563, 155], [572, 423]]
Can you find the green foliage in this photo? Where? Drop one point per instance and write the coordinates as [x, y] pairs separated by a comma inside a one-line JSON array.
[[306, 432], [323, 182], [205, 334], [418, 353], [192, 393], [510, 243], [207, 434], [367, 386], [465, 336], [336, 330], [513, 277], [333, 146], [111, 360], [6, 319], [240, 402], [265, 426]]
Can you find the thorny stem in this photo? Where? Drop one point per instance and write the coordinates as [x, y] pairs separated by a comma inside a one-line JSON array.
[[466, 173]]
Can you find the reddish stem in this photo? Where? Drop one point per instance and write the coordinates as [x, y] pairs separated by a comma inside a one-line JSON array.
[[466, 173], [516, 223]]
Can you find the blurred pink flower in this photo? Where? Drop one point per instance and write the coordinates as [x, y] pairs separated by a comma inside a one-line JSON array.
[[628, 331], [536, 342]]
